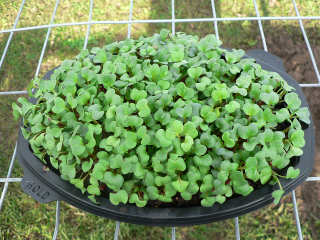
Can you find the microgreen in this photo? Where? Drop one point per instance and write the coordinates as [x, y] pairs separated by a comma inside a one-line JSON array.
[[165, 116]]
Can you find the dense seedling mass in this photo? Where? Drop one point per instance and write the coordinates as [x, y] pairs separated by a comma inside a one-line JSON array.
[[163, 118]]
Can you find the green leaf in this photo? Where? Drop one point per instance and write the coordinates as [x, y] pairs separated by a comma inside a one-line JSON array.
[[130, 139], [282, 115], [277, 196], [220, 92], [94, 190], [207, 140], [205, 161], [47, 85], [68, 172], [304, 115], [246, 132], [268, 116], [208, 114], [164, 34], [234, 56], [244, 80], [175, 164], [116, 161], [292, 173], [208, 43], [297, 138], [112, 141], [202, 85], [100, 57], [241, 91], [271, 98], [189, 129], [83, 97], [208, 201], [113, 181], [265, 174], [251, 109], [103, 144], [79, 184], [293, 100], [294, 151], [142, 106], [86, 165], [285, 85], [280, 161], [134, 198], [185, 92], [119, 197], [59, 105], [232, 106], [220, 199], [207, 184], [255, 91], [228, 139], [187, 144], [180, 185], [153, 192], [16, 111], [250, 144], [195, 72], [77, 146], [121, 68], [251, 169], [186, 195], [107, 79], [108, 67], [161, 181], [175, 127], [199, 149], [162, 138], [137, 95], [176, 52]]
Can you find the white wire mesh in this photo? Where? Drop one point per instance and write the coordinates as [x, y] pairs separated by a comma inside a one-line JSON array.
[[130, 21]]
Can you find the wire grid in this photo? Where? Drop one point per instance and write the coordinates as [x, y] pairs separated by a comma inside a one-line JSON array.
[[129, 22]]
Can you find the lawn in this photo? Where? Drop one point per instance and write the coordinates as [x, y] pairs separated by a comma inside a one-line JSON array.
[[23, 218]]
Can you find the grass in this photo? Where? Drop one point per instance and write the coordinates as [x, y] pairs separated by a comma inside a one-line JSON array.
[[22, 217]]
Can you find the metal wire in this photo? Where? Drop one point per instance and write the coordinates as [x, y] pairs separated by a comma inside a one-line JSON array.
[[173, 233], [6, 183], [130, 18], [310, 85], [236, 224], [311, 179], [260, 26], [11, 34], [89, 25], [307, 42], [116, 232], [215, 16], [56, 227], [186, 20], [173, 24], [296, 215], [10, 179], [13, 93], [47, 38]]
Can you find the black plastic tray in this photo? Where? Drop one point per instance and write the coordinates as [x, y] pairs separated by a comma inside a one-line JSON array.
[[46, 186]]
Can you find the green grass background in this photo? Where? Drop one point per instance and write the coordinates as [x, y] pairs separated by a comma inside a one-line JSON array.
[[23, 218]]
